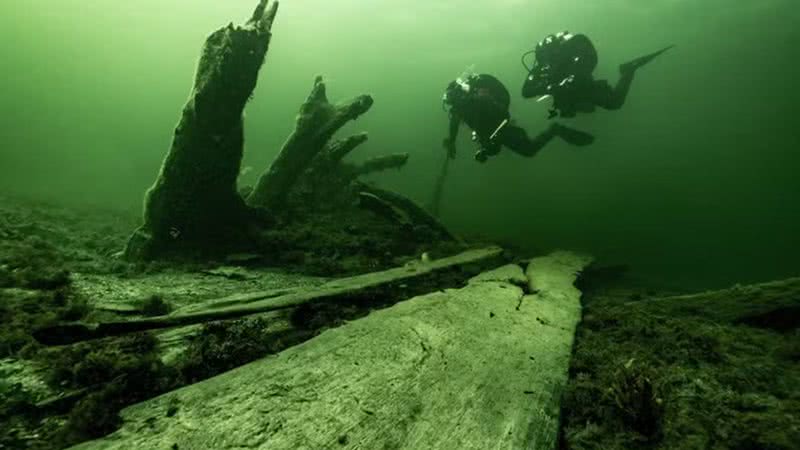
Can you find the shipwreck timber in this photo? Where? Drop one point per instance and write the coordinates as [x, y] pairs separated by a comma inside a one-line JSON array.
[[472, 368]]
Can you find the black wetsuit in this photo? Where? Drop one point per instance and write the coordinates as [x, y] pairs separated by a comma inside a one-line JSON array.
[[563, 69], [482, 102]]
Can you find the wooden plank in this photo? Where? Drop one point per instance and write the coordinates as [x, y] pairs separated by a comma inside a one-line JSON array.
[[736, 304], [473, 368], [259, 303]]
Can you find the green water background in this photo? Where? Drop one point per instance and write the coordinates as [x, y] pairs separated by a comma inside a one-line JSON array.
[[694, 181]]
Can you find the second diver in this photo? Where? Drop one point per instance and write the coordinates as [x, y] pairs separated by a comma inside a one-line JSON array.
[[482, 103], [563, 70]]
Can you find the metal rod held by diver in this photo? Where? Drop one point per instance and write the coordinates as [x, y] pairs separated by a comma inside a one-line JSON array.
[[499, 127]]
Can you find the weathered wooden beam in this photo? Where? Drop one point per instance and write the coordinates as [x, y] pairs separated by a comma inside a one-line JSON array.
[[337, 150], [473, 368], [193, 202], [381, 207], [736, 304], [381, 163], [235, 299], [316, 124], [416, 214], [261, 303]]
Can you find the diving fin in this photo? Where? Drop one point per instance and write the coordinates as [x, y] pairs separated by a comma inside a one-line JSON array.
[[634, 64], [571, 135]]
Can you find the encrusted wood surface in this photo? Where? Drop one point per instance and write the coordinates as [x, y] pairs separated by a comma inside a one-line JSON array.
[[316, 124], [193, 203], [414, 213], [473, 368], [242, 305], [736, 304]]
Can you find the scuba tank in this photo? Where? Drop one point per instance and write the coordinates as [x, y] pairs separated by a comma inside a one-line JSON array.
[[478, 87], [560, 60]]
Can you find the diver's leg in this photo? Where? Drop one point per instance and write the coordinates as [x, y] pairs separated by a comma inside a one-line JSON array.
[[572, 136], [609, 98], [612, 98], [517, 139]]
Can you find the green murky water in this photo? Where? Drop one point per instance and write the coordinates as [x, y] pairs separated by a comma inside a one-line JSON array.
[[694, 180]]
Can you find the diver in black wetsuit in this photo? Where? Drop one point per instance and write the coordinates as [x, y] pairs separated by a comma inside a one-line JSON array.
[[482, 102], [563, 69]]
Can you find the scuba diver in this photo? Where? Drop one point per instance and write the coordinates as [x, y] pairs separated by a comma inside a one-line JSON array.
[[563, 70], [482, 102]]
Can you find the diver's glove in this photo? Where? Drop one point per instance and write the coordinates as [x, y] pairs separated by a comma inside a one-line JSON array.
[[481, 156], [484, 153]]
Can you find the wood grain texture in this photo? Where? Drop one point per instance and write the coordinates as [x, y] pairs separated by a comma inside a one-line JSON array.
[[481, 367]]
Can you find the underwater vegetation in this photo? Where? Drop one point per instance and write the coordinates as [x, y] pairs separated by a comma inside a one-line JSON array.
[[658, 375], [645, 373], [223, 346], [71, 394], [114, 373], [154, 305], [40, 245], [94, 381]]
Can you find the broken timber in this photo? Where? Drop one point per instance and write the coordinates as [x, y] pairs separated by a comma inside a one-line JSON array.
[[738, 304], [261, 302], [194, 201], [413, 213], [316, 124], [472, 368]]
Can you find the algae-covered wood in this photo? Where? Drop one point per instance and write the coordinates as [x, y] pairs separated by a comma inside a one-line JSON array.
[[472, 368], [194, 204], [735, 304], [272, 300]]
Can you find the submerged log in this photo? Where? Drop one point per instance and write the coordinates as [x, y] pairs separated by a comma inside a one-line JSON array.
[[383, 208], [261, 302], [194, 202], [316, 124], [194, 209], [415, 213], [752, 304], [472, 368], [341, 148], [381, 163]]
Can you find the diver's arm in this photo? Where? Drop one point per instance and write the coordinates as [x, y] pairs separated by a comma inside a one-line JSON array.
[[450, 141]]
